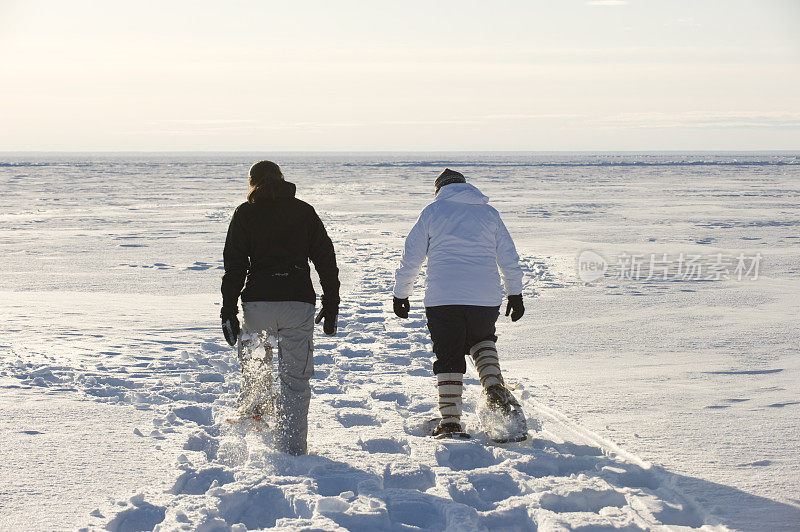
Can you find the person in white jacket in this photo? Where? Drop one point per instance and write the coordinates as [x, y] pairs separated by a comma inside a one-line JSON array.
[[465, 242]]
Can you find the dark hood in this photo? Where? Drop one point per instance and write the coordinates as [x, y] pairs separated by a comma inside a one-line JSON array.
[[273, 191], [285, 189]]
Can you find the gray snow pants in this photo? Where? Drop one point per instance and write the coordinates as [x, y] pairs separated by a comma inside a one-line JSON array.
[[292, 323]]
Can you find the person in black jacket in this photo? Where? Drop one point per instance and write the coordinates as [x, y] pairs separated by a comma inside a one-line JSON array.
[[271, 238]]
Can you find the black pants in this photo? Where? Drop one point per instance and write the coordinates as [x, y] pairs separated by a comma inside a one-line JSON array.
[[456, 328]]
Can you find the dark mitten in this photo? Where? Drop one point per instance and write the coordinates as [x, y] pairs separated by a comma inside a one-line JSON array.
[[230, 328], [401, 307], [329, 313], [515, 307]]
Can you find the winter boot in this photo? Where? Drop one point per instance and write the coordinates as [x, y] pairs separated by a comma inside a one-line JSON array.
[[500, 399], [450, 390], [501, 415], [449, 430], [484, 354]]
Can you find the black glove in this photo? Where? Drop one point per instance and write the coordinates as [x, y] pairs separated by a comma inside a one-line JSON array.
[[515, 307], [329, 313], [230, 328], [401, 307]]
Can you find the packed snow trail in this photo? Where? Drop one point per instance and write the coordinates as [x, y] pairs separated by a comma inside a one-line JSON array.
[[371, 465]]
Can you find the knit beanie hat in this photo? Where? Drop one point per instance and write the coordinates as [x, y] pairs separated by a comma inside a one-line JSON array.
[[447, 177]]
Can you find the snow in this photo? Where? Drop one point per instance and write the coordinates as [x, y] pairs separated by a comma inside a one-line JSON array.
[[662, 405], [55, 469]]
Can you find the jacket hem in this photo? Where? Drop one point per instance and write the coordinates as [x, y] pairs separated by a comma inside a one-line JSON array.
[[312, 300], [471, 302]]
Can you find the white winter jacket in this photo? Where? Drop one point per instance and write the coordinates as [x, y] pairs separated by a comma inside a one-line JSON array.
[[465, 242]]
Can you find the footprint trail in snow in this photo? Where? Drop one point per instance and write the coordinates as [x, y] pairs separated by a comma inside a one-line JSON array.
[[371, 466]]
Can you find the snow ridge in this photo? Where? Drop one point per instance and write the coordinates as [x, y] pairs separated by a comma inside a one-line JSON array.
[[371, 466]]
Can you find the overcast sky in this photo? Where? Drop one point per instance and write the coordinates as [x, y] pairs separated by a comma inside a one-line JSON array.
[[373, 75]]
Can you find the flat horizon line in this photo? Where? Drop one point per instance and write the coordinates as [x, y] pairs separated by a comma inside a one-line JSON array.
[[250, 152]]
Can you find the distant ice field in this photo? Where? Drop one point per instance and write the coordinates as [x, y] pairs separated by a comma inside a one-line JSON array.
[[108, 256]]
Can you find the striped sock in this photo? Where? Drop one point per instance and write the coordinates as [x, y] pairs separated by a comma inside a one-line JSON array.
[[488, 365], [450, 386]]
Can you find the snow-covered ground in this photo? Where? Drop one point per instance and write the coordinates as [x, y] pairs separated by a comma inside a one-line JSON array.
[[667, 403]]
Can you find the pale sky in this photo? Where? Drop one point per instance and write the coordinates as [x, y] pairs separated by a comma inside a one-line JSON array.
[[373, 75]]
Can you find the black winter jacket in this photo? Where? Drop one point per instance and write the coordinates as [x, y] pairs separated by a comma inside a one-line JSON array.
[[270, 243]]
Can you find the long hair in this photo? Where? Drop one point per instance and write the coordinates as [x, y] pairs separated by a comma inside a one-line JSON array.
[[265, 176]]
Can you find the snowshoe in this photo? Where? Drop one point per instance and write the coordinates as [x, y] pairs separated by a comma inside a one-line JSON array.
[[501, 415], [449, 430], [255, 422]]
